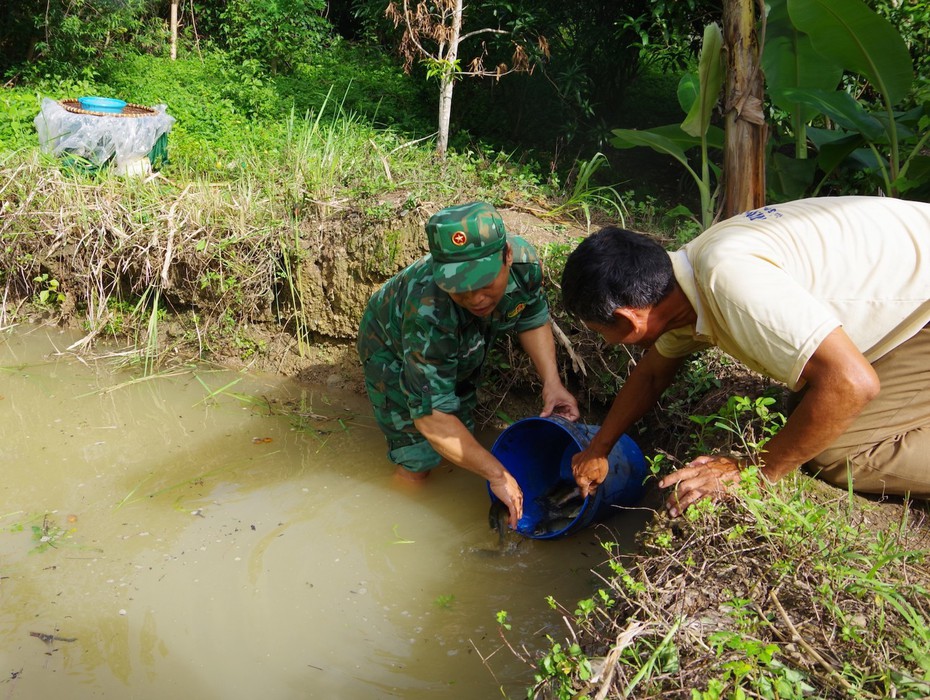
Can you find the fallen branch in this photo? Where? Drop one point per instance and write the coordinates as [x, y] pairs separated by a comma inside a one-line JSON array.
[[813, 653], [577, 363]]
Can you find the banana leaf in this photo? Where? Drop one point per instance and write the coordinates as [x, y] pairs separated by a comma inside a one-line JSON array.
[[711, 75], [790, 61], [849, 33], [842, 108]]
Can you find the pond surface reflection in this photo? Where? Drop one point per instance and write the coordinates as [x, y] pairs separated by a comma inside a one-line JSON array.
[[213, 534]]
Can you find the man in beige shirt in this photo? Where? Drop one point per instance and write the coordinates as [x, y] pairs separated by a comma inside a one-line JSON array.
[[829, 295]]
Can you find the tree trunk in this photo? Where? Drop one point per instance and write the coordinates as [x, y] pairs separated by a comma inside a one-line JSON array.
[[447, 82], [746, 131], [174, 29], [445, 114]]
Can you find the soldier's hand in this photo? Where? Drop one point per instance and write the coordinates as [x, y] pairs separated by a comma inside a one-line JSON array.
[[506, 488], [560, 401]]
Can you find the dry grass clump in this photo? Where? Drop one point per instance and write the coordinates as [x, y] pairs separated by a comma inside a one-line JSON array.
[[121, 254], [803, 591]]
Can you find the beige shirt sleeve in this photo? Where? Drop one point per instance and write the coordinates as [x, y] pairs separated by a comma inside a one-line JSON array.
[[680, 342]]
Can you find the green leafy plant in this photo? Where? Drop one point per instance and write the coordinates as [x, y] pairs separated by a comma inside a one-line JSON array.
[[794, 549], [812, 45], [441, 69], [49, 292], [696, 379], [501, 617], [75, 35], [624, 576], [278, 33], [46, 534], [744, 423], [657, 465], [560, 666], [747, 664], [444, 601], [912, 20], [17, 111], [586, 196], [586, 608], [652, 658], [663, 540], [697, 94]]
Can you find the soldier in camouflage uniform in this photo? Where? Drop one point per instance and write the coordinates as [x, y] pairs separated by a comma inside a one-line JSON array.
[[426, 334]]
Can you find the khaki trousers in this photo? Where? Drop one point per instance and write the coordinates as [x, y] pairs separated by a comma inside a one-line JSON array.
[[887, 448]]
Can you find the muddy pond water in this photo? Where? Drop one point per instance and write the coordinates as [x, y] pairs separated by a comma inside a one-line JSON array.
[[205, 533]]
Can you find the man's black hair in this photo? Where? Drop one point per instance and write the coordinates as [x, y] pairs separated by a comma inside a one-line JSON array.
[[615, 268]]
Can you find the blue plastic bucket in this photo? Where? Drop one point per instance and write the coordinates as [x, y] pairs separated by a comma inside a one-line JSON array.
[[538, 453]]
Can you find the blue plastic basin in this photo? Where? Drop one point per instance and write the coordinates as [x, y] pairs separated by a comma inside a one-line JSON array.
[[101, 104]]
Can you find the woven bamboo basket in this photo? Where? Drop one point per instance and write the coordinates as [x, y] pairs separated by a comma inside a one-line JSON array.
[[130, 110]]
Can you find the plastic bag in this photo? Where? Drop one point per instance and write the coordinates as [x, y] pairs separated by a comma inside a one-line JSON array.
[[100, 138]]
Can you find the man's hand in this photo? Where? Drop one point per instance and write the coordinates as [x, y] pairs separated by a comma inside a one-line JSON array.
[[589, 471], [559, 400], [540, 346], [705, 477], [506, 488]]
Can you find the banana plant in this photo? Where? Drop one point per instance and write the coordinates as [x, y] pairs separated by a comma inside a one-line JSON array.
[[697, 94]]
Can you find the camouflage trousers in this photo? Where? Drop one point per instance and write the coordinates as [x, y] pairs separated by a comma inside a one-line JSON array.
[[406, 445]]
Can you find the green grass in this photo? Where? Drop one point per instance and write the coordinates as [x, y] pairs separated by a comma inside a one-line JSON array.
[[791, 590], [586, 196]]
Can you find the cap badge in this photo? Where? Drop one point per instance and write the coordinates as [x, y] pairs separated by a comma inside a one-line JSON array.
[[459, 238]]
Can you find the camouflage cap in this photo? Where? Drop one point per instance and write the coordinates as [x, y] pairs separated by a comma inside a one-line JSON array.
[[466, 241]]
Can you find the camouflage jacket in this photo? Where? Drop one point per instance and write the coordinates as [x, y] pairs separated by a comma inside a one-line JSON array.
[[434, 345]]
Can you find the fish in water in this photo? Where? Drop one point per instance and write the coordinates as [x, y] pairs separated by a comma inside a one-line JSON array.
[[498, 517], [499, 521], [561, 505]]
